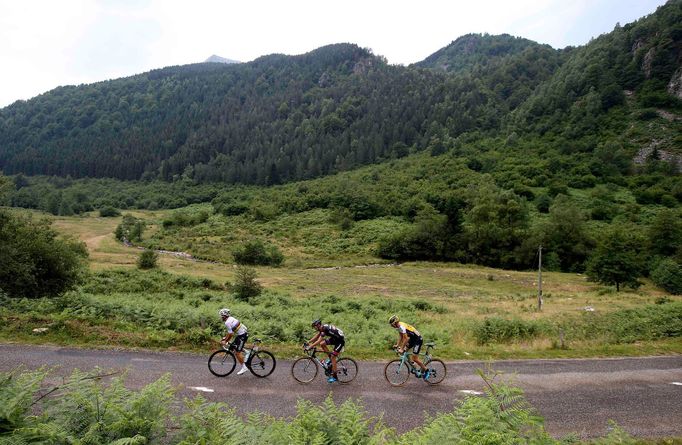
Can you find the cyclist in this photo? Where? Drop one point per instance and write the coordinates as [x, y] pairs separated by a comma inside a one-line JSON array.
[[234, 326], [328, 334], [409, 338]]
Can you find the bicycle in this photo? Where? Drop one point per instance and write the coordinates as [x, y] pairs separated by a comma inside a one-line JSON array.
[[260, 362], [304, 369], [397, 371]]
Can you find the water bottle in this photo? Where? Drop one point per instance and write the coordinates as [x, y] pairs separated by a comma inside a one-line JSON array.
[[247, 355]]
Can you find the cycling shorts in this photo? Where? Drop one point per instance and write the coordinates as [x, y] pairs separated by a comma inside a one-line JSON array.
[[338, 343], [239, 342], [415, 343]]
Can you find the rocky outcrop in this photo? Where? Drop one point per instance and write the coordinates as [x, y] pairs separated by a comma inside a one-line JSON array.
[[675, 85]]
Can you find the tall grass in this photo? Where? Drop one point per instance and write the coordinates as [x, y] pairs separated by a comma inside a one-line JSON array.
[[157, 309]]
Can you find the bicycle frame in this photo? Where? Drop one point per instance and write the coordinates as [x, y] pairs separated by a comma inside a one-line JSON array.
[[405, 359], [248, 352], [312, 354]]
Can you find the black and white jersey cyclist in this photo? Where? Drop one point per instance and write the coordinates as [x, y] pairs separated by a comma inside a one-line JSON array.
[[328, 334], [235, 328]]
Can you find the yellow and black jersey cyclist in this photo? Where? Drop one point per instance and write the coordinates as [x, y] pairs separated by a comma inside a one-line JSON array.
[[328, 334], [409, 337]]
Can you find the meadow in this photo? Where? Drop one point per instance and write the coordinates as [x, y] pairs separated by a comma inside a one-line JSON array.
[[469, 311]]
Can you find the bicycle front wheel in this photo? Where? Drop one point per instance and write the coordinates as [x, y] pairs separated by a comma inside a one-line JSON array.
[[221, 363], [304, 370], [437, 371], [346, 370], [262, 363], [396, 374]]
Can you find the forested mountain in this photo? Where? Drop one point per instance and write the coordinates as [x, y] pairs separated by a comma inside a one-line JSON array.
[[283, 118]]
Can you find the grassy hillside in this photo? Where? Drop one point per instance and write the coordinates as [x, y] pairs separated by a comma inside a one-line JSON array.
[[471, 312]]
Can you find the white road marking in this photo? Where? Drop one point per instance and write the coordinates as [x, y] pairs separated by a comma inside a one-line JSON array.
[[676, 383], [201, 388], [471, 391]]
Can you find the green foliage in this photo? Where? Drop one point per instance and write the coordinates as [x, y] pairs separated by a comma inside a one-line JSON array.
[[245, 286], [35, 262], [83, 411], [668, 275], [130, 229], [501, 330], [617, 259], [256, 253], [147, 259], [426, 239], [109, 211], [502, 416], [16, 398], [495, 226], [665, 233], [185, 219], [566, 235]]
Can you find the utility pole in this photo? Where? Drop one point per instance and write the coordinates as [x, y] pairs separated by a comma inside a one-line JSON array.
[[540, 278]]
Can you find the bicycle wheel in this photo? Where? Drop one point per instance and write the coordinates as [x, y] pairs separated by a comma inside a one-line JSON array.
[[395, 374], [437, 371], [262, 363], [221, 363], [304, 370], [346, 370]]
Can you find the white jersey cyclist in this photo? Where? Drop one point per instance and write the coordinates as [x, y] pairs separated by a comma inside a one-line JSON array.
[[234, 326], [238, 330]]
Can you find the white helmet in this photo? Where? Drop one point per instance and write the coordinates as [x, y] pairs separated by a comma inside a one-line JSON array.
[[225, 312]]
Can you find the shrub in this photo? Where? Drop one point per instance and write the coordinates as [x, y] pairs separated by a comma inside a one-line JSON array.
[[245, 285], [147, 259], [256, 253], [109, 211], [668, 275], [34, 262], [501, 330], [130, 229]]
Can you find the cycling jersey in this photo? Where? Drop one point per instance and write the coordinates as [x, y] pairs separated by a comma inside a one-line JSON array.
[[335, 334], [405, 328], [233, 325]]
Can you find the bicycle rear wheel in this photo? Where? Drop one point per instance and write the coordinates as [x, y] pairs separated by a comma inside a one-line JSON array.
[[221, 363], [346, 370], [396, 374], [304, 370], [262, 363], [437, 371]]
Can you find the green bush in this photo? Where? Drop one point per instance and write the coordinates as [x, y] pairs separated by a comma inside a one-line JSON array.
[[256, 253], [147, 259], [501, 330], [185, 219], [109, 211], [130, 229], [245, 285], [668, 275], [35, 262]]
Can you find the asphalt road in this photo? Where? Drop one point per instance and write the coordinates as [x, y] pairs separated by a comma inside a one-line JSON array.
[[643, 395]]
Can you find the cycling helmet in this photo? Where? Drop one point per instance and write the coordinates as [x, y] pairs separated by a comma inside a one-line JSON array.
[[394, 319], [316, 322], [224, 312]]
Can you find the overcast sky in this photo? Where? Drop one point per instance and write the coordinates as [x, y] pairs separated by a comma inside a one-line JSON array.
[[48, 43]]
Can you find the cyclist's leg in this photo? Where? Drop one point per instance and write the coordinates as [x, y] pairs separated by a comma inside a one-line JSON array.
[[416, 345], [238, 344], [338, 347]]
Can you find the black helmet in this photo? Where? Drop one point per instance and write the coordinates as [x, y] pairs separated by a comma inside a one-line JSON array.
[[316, 322]]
